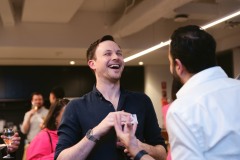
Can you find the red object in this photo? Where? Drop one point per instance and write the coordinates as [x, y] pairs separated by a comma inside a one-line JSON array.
[[164, 84]]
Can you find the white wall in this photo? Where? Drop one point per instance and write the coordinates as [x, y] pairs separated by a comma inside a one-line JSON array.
[[154, 75], [236, 60]]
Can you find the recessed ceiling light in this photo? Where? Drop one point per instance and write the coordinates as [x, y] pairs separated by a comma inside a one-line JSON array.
[[140, 63], [72, 62], [181, 18]]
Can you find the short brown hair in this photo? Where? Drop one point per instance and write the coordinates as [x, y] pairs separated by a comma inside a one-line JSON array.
[[92, 48]]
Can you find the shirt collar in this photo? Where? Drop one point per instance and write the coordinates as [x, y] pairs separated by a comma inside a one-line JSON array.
[[98, 93], [201, 77]]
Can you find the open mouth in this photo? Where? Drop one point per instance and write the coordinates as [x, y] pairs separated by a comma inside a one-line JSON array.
[[114, 66]]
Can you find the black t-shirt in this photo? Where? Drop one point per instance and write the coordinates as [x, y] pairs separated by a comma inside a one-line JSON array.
[[88, 111]]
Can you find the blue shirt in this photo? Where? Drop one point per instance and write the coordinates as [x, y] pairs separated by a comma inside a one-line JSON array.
[[88, 111]]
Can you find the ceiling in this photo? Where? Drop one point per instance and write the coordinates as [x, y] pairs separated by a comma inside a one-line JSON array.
[[54, 32]]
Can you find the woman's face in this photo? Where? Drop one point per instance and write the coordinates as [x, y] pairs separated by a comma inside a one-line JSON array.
[[52, 98], [59, 117]]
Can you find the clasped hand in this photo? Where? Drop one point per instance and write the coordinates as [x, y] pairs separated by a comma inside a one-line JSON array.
[[125, 130]]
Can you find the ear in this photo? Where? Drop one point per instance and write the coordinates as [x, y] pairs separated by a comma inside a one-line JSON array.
[[91, 64], [179, 68]]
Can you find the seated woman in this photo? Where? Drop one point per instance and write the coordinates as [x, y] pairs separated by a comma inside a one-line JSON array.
[[44, 144]]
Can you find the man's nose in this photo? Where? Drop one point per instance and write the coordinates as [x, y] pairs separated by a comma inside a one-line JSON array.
[[115, 56]]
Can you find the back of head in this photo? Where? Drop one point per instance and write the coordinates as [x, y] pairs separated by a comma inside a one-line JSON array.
[[92, 48], [54, 111], [58, 92], [194, 47]]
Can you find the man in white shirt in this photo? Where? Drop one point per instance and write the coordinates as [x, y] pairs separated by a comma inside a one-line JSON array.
[[203, 122], [33, 119]]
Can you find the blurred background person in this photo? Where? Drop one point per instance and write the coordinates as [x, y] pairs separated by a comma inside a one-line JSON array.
[[176, 85], [11, 148], [33, 119], [55, 94], [44, 144]]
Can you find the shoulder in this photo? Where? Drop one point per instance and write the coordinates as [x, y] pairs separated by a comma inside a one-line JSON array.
[[79, 102], [82, 98], [136, 94], [40, 138], [42, 134]]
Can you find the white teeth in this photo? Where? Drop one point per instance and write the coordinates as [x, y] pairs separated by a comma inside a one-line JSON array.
[[115, 66]]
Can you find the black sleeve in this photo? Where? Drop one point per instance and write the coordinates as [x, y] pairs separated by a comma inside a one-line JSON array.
[[69, 131], [152, 131]]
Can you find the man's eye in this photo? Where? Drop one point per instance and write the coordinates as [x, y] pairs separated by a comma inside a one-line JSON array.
[[107, 53]]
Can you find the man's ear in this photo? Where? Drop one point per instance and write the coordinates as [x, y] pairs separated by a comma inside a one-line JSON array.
[[91, 64], [179, 68]]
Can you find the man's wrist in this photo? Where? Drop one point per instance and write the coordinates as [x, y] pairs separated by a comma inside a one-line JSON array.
[[140, 154], [91, 136]]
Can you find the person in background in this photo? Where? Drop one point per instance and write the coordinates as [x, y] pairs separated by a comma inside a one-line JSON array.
[[203, 122], [55, 94], [44, 144], [176, 85], [87, 127], [33, 119], [13, 147]]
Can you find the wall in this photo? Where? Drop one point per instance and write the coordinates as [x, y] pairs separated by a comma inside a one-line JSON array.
[[154, 75], [236, 60], [18, 82]]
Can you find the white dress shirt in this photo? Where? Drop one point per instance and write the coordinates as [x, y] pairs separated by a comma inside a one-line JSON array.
[[35, 121], [203, 123]]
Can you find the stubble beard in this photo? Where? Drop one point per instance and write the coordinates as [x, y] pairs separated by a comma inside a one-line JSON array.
[[176, 77]]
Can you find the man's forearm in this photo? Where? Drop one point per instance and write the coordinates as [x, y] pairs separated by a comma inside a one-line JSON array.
[[25, 125], [158, 152], [79, 151]]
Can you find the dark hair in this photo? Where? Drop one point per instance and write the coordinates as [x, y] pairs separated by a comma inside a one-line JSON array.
[[92, 48], [55, 109], [58, 92], [36, 93], [194, 47]]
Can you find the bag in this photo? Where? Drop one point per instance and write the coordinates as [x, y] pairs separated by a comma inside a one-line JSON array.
[[50, 139]]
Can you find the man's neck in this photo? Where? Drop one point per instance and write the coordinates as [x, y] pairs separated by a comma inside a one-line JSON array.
[[110, 91], [186, 77]]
